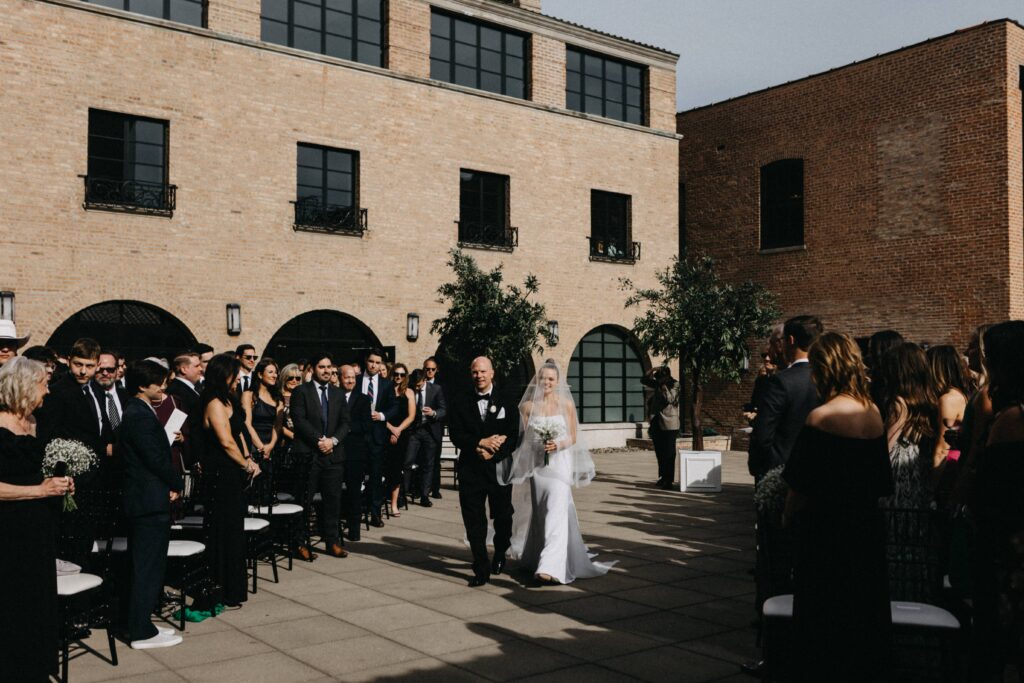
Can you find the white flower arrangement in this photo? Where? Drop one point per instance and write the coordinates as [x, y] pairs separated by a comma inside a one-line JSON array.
[[547, 430], [770, 493], [76, 456]]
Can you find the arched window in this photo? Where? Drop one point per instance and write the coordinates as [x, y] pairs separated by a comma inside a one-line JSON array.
[[604, 375], [134, 328], [340, 334]]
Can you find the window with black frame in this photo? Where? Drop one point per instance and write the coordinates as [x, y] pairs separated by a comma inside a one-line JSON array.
[[348, 29], [191, 12], [127, 167], [327, 198], [604, 374], [484, 211], [596, 84], [478, 55], [782, 204], [611, 227]]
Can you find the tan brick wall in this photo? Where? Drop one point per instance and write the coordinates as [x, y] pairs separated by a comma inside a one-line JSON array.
[[409, 37], [661, 98], [236, 113], [548, 61], [234, 17], [912, 184]]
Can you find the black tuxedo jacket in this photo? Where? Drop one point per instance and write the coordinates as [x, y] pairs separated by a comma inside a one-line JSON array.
[[189, 402], [108, 435], [782, 408], [67, 413], [358, 440], [436, 401], [387, 404], [308, 423], [466, 429], [149, 476]]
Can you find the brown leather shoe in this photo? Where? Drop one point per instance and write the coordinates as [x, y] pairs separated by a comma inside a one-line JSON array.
[[305, 554], [337, 550]]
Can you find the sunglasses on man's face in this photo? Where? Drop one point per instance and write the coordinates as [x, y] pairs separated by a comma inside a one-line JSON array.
[[250, 357], [430, 369], [105, 371]]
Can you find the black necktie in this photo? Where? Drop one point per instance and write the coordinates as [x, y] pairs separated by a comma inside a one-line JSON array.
[[245, 383], [112, 414], [324, 406], [369, 389]]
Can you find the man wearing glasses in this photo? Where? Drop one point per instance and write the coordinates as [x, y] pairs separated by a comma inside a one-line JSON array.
[[247, 355], [112, 399], [430, 370]]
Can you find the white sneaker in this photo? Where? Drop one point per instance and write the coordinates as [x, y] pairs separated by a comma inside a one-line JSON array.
[[159, 640], [166, 630]]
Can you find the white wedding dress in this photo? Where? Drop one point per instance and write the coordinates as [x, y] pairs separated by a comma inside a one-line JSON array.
[[546, 536]]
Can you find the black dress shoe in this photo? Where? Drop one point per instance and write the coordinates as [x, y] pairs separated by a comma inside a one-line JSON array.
[[756, 669], [436, 495], [478, 581], [377, 522], [353, 536], [498, 565], [425, 502]]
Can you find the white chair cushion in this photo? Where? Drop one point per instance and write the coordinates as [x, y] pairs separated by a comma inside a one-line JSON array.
[[279, 509], [920, 614], [73, 584], [255, 524], [778, 607], [318, 497], [184, 548], [285, 497], [65, 568], [118, 544], [191, 520]]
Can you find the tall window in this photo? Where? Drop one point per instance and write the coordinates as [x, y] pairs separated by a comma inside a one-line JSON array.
[[782, 204], [127, 163], [610, 223], [607, 87], [327, 198], [184, 11], [604, 375], [477, 55], [349, 29], [484, 210]]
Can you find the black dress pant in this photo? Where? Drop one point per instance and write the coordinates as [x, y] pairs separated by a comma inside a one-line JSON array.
[[327, 478], [149, 536], [355, 470], [665, 452], [375, 466], [476, 489], [421, 451]]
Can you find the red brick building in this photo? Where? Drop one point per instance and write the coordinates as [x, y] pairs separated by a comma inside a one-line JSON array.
[[887, 193]]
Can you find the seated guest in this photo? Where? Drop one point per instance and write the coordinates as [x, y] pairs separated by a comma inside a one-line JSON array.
[[28, 528], [837, 472], [150, 486]]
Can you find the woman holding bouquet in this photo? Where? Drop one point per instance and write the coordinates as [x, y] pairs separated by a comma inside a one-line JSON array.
[[549, 461], [28, 519]]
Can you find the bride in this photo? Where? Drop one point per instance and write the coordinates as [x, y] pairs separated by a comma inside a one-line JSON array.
[[549, 461]]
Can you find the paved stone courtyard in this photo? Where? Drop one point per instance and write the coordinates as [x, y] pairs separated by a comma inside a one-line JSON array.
[[677, 607]]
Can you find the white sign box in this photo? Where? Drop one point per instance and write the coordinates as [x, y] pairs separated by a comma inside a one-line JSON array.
[[700, 471]]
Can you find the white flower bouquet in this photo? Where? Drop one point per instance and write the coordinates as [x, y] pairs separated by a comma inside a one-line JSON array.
[[545, 431], [77, 458], [770, 494]]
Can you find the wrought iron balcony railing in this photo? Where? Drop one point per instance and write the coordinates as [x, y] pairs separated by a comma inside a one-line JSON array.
[[487, 236], [616, 250], [312, 216], [133, 196]]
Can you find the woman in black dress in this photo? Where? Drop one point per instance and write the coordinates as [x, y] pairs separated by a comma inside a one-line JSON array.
[[226, 461], [398, 442], [838, 471], [28, 520], [263, 412]]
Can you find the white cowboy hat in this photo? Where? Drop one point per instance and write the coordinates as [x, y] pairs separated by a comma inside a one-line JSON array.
[[8, 332]]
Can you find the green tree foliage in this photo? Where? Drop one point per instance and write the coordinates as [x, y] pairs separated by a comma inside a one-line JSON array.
[[485, 318], [704, 322]]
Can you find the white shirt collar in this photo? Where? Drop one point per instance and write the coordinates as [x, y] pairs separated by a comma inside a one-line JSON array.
[[798, 361], [187, 383]]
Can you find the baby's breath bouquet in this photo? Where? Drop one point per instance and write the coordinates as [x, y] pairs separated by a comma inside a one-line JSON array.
[[547, 430], [77, 457], [770, 494]]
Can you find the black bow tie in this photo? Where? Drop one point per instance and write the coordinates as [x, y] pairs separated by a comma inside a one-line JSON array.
[[483, 397]]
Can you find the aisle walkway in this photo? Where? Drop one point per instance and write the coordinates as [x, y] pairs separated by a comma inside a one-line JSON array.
[[677, 607]]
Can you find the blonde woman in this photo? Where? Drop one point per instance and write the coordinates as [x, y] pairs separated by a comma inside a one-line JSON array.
[[838, 471]]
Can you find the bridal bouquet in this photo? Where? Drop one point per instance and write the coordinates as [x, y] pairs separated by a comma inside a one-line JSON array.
[[770, 493], [547, 431], [76, 456]]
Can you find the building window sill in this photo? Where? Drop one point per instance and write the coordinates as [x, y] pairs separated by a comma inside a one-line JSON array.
[[783, 250]]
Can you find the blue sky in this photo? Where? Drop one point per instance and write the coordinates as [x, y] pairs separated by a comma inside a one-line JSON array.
[[731, 47]]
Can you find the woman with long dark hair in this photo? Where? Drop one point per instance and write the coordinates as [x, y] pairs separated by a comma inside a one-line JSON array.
[[953, 386], [263, 410], [398, 441], [227, 463]]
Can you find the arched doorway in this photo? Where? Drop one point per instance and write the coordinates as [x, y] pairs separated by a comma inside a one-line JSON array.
[[134, 328], [604, 375], [340, 334]]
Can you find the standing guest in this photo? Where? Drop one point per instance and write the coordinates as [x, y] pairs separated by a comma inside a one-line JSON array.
[[10, 342], [837, 472], [290, 476], [398, 440], [430, 371], [382, 408], [357, 445], [112, 398], [290, 379], [226, 461], [663, 407], [953, 386], [880, 344], [263, 410], [424, 434], [247, 357], [787, 400], [335, 379], [44, 355], [184, 388], [321, 422], [28, 529], [771, 361], [385, 370], [122, 366], [977, 416], [205, 352], [73, 411], [151, 485]]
